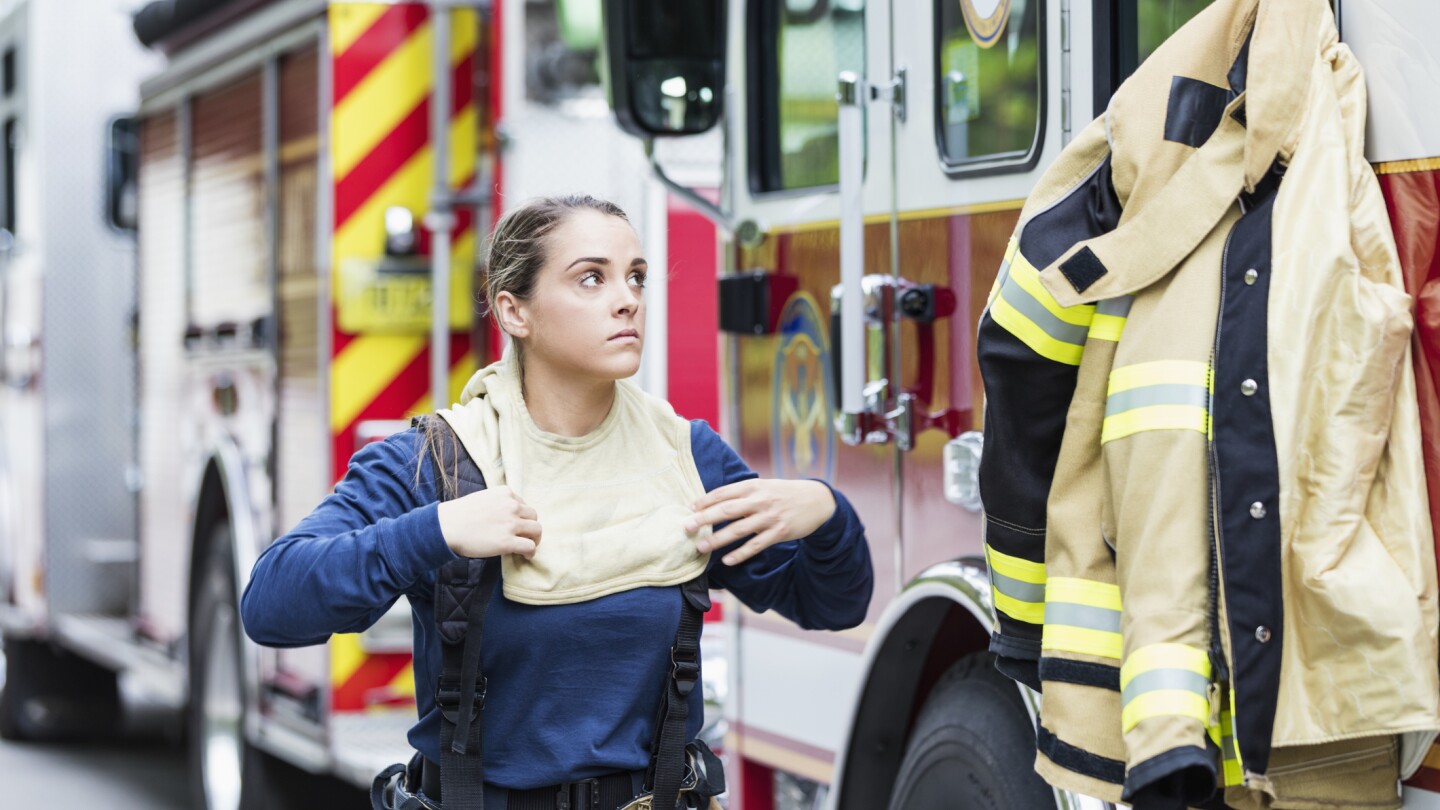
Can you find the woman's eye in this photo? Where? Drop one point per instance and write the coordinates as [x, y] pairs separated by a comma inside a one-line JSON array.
[[591, 279], [638, 279]]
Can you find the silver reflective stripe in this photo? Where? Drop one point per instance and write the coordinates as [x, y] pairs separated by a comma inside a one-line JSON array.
[[1164, 394], [1119, 307], [1015, 589], [1026, 305], [1093, 618], [1227, 746], [1157, 679]]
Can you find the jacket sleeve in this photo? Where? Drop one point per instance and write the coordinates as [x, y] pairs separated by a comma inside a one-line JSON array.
[[347, 562], [1029, 351], [820, 582]]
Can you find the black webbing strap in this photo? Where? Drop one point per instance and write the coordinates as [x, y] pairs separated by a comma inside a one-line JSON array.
[[463, 590], [667, 754]]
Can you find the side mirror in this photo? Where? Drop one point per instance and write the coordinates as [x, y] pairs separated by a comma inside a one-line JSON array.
[[666, 64], [122, 156]]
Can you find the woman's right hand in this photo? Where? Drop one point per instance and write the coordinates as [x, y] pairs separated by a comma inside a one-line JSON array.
[[489, 523]]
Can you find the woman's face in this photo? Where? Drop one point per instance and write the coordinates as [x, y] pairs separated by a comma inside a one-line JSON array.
[[587, 311]]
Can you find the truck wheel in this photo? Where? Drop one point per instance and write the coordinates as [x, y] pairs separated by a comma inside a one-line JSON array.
[[973, 746], [51, 694], [226, 772]]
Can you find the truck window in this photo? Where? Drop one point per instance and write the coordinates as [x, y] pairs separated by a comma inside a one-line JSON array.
[[1128, 31], [803, 47], [989, 92]]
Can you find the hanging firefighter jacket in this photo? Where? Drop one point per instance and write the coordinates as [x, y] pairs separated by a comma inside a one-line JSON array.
[[1206, 516]]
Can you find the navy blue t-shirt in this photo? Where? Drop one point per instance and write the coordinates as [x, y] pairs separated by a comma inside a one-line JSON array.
[[574, 690]]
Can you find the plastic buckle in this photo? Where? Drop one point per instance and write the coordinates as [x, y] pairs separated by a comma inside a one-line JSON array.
[[685, 669], [447, 699], [581, 795]]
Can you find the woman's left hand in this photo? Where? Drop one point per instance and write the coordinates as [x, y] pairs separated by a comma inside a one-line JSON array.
[[772, 509]]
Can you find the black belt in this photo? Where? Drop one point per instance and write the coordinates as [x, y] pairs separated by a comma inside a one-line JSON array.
[[609, 792]]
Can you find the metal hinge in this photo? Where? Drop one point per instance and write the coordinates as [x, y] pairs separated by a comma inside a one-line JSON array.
[[892, 91]]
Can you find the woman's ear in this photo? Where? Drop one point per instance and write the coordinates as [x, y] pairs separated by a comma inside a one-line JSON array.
[[514, 318]]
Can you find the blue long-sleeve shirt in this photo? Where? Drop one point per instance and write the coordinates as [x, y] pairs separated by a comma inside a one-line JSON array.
[[574, 690]]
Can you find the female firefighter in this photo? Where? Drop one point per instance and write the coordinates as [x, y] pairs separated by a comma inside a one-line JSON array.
[[614, 518]]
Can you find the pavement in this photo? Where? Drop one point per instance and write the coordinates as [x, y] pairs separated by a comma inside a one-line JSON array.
[[142, 768]]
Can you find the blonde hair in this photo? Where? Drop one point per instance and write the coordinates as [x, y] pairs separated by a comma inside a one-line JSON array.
[[518, 249]]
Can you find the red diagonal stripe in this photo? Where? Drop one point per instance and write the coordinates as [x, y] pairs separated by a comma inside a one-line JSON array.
[[1425, 779], [388, 32], [396, 149], [405, 390], [377, 670]]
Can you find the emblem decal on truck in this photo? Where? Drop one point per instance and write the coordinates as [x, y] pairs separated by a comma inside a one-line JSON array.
[[801, 441]]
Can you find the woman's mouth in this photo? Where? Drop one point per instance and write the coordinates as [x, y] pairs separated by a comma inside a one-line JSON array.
[[625, 336]]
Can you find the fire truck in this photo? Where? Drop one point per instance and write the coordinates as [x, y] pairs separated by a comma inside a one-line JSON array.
[[877, 155], [296, 194]]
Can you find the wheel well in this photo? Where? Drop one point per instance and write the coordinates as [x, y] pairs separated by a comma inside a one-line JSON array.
[[933, 634], [211, 507]]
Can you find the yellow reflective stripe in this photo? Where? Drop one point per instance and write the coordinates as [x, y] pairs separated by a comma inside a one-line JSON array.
[[1031, 612], [1107, 327], [1010, 251], [1082, 640], [1161, 372], [1155, 417], [1025, 275], [1164, 703], [1015, 567], [1022, 571], [1083, 592], [1165, 655], [1229, 752], [1033, 336]]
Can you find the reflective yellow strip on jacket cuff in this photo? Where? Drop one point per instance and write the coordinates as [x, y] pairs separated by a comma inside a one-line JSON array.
[[1110, 316], [1161, 395], [1082, 616], [1026, 310], [1234, 772], [1165, 680], [1017, 585]]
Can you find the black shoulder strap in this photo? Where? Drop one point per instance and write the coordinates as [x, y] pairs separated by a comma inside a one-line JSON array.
[[463, 589], [667, 754]]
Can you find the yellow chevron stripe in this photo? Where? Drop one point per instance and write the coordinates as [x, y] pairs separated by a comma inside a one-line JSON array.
[[404, 682], [389, 93], [460, 373], [346, 656], [362, 235], [349, 20], [464, 134], [381, 100], [367, 365]]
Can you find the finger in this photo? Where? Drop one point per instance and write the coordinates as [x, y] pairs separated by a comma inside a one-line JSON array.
[[529, 529], [757, 544], [526, 512], [739, 489], [733, 509], [738, 530], [523, 546]]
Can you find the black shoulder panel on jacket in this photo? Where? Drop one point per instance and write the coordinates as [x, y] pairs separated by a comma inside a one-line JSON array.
[[1089, 210]]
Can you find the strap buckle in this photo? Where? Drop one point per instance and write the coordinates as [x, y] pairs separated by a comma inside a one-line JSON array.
[[684, 669], [447, 698], [580, 795]]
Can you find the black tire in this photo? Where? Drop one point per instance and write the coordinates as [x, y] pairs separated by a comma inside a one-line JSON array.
[[52, 695], [973, 746], [226, 772]]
